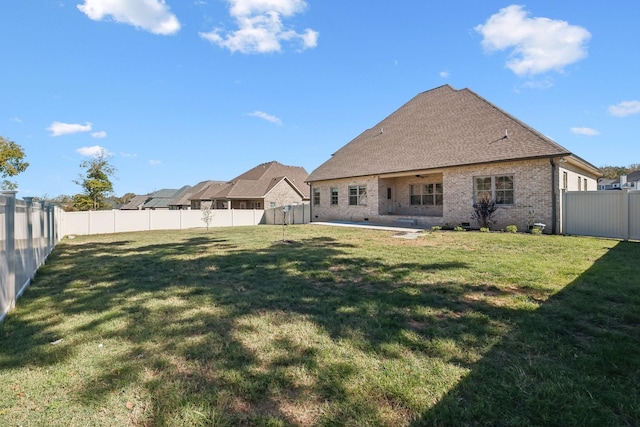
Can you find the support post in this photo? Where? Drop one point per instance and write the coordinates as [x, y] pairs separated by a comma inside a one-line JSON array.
[[10, 235]]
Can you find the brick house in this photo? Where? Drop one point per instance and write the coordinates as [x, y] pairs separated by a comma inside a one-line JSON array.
[[265, 186], [428, 162]]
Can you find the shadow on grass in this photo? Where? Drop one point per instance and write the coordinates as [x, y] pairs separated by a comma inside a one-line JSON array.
[[216, 329], [574, 361]]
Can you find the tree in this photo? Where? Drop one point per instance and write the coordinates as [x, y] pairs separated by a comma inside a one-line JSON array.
[[95, 183], [207, 214], [11, 162], [614, 172]]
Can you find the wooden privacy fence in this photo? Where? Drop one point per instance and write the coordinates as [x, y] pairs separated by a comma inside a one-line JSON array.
[[28, 233], [614, 214]]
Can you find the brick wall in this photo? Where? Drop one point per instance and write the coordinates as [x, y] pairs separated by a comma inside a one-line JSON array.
[[532, 195], [343, 211], [532, 191]]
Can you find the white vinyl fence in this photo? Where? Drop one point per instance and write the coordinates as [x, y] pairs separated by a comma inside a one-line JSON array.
[[614, 214], [28, 233], [292, 214], [116, 221]]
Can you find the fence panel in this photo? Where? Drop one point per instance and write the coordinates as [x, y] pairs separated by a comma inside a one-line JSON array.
[[104, 222], [634, 215], [613, 214], [6, 293], [295, 214], [28, 233]]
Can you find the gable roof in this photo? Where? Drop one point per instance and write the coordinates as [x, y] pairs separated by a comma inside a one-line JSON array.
[[135, 203], [439, 128], [257, 182], [184, 198], [161, 198]]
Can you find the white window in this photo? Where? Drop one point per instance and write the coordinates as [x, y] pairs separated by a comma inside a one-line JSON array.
[[498, 188], [358, 195]]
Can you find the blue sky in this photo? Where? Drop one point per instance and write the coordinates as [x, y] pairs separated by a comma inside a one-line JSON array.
[[181, 91]]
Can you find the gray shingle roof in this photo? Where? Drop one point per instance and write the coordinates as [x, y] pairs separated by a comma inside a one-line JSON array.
[[135, 203], [160, 199], [184, 198], [256, 183], [440, 128]]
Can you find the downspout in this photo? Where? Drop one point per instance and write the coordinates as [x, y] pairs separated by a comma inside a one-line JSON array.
[[554, 215]]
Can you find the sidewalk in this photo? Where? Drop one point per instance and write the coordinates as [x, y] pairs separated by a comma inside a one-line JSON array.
[[369, 225]]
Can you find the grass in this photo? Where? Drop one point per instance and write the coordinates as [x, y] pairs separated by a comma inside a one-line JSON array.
[[337, 327]]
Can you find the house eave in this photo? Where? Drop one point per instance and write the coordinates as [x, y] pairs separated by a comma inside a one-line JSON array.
[[440, 169]]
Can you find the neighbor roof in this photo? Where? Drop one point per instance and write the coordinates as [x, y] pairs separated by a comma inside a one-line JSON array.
[[257, 182], [135, 203], [161, 198], [183, 199], [440, 128]]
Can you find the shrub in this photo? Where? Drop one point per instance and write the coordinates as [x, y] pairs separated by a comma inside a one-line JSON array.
[[458, 228], [436, 228], [484, 229], [536, 230], [483, 210], [512, 228]]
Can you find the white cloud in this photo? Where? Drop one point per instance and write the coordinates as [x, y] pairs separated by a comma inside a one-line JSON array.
[[94, 151], [16, 119], [260, 27], [539, 44], [585, 131], [150, 15], [129, 155], [625, 108], [542, 84], [101, 134], [155, 162], [267, 117], [59, 128], [444, 74]]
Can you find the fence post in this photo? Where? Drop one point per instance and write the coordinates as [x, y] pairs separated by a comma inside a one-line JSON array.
[[563, 211], [33, 264], [625, 214], [48, 207], [10, 230]]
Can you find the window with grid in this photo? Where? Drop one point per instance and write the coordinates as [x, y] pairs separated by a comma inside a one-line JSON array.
[[334, 195], [498, 188], [316, 196], [358, 195], [426, 194]]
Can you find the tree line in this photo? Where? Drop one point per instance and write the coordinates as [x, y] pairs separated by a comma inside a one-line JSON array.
[[94, 180], [615, 172]]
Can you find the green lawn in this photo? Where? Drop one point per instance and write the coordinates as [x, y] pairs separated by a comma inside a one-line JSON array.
[[336, 327]]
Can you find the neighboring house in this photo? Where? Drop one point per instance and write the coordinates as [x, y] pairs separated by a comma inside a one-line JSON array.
[[183, 202], [630, 182], [267, 185], [136, 203], [160, 199], [431, 159], [605, 184], [157, 200]]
